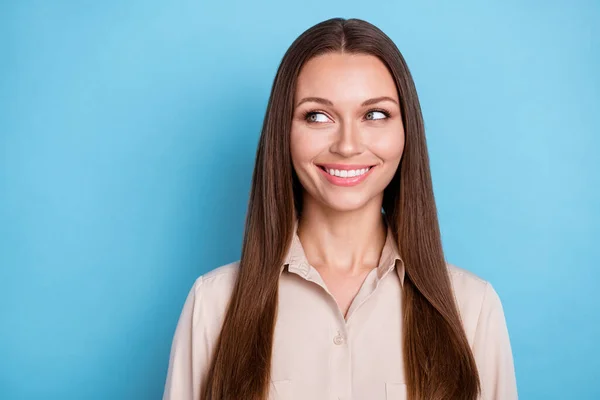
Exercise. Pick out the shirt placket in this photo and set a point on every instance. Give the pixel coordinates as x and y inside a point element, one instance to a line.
<point>341,356</point>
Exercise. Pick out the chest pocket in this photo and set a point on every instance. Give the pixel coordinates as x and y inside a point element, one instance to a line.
<point>395,391</point>
<point>281,390</point>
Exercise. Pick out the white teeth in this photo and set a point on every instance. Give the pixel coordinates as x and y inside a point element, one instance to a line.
<point>344,173</point>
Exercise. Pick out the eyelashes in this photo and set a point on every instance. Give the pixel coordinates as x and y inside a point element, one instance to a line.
<point>309,116</point>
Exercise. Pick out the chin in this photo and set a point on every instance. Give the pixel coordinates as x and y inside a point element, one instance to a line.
<point>347,204</point>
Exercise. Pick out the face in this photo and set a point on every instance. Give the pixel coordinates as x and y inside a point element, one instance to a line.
<point>347,136</point>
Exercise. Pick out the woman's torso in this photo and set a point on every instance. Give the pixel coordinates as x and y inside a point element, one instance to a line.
<point>317,354</point>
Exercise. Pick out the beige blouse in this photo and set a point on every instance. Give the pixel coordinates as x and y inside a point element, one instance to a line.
<point>319,355</point>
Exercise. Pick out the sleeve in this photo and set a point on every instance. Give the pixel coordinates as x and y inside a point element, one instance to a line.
<point>492,350</point>
<point>186,360</point>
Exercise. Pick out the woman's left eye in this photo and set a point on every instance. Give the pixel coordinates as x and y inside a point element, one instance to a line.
<point>375,115</point>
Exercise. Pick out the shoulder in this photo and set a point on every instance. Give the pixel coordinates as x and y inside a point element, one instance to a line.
<point>469,288</point>
<point>220,275</point>
<point>472,294</point>
<point>198,329</point>
<point>485,326</point>
<point>211,292</point>
<point>465,281</point>
<point>217,281</point>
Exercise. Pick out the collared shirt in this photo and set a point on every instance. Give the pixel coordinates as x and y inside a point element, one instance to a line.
<point>318,354</point>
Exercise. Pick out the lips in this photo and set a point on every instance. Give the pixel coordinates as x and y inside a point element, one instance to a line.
<point>352,175</point>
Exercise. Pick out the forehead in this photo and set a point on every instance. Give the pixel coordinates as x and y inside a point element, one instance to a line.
<point>345,78</point>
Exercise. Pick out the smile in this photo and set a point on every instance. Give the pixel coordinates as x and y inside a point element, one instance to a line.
<point>345,175</point>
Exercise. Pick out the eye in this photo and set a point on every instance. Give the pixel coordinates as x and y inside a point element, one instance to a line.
<point>376,114</point>
<point>317,117</point>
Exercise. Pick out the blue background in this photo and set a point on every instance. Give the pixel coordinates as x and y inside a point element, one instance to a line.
<point>127,138</point>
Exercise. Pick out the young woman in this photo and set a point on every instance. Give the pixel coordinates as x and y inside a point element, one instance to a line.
<point>342,290</point>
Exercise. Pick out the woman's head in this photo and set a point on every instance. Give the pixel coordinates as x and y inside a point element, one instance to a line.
<point>316,111</point>
<point>340,64</point>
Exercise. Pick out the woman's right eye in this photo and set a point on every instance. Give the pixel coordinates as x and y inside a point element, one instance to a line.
<point>314,116</point>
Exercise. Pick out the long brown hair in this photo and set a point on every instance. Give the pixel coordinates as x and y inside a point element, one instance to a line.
<point>437,357</point>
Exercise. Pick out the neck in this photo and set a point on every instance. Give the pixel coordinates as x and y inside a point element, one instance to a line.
<point>343,242</point>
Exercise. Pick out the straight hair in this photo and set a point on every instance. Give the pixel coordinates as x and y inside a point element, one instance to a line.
<point>439,364</point>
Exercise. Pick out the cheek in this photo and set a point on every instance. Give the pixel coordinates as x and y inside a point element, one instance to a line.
<point>306,145</point>
<point>389,144</point>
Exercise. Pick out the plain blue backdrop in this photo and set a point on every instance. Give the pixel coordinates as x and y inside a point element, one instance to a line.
<point>128,131</point>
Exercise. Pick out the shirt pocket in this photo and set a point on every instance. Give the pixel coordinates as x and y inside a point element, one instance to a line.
<point>395,391</point>
<point>281,390</point>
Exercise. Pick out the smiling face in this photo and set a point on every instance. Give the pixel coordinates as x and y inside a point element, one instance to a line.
<point>347,136</point>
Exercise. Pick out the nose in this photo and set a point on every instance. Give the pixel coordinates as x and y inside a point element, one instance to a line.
<point>348,140</point>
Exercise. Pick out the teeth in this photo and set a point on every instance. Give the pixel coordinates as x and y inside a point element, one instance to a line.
<point>347,173</point>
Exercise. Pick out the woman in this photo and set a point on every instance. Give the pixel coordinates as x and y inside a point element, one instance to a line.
<point>342,290</point>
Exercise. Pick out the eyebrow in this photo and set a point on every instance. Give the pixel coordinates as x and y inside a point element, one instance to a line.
<point>365,103</point>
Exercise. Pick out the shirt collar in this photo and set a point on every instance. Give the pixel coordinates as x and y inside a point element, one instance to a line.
<point>297,262</point>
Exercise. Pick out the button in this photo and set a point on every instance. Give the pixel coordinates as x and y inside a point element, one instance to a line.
<point>338,339</point>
